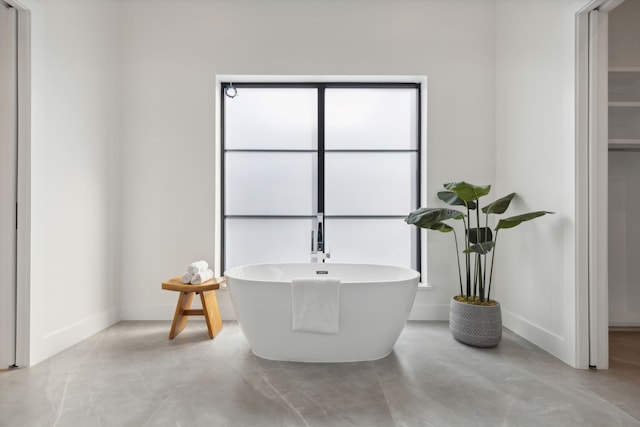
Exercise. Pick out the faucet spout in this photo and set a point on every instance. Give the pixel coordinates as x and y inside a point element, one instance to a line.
<point>320,238</point>
<point>317,248</point>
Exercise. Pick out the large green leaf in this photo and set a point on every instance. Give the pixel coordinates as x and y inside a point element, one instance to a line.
<point>431,218</point>
<point>451,198</point>
<point>500,205</point>
<point>468,192</point>
<point>442,227</point>
<point>485,234</point>
<point>480,248</point>
<point>518,219</point>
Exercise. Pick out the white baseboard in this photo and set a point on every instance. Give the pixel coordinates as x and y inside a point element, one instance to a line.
<point>166,311</point>
<point>547,340</point>
<point>227,312</point>
<point>64,338</point>
<point>429,312</point>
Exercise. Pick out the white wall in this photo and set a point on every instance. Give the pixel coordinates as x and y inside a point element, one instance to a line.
<point>122,181</point>
<point>172,55</point>
<point>74,187</point>
<point>535,157</point>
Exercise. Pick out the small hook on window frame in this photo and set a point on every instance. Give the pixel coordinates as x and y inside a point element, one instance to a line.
<point>231,91</point>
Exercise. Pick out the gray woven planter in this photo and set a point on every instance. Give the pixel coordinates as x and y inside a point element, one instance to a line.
<point>476,325</point>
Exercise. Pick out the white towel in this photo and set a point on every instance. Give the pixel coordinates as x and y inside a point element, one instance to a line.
<point>186,278</point>
<point>198,266</point>
<point>315,304</point>
<point>202,276</point>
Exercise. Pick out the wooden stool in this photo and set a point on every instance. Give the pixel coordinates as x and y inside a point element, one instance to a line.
<point>183,308</point>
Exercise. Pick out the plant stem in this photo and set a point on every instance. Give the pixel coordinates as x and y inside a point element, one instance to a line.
<point>486,228</point>
<point>493,258</point>
<point>478,265</point>
<point>455,239</point>
<point>480,277</point>
<point>468,255</point>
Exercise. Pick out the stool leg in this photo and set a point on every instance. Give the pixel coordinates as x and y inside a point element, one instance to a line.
<point>211,312</point>
<point>179,319</point>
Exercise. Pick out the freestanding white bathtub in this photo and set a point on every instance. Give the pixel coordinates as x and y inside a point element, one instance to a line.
<point>375,301</point>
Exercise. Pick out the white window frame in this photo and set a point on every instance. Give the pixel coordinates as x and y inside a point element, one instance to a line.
<point>422,80</point>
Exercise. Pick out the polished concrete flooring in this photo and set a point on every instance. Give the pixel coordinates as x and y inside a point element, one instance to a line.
<point>132,375</point>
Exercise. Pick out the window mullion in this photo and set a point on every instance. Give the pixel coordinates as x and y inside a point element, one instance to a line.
<point>320,189</point>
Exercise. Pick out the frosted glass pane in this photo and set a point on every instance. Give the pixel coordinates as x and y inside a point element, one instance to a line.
<point>271,119</point>
<point>371,119</point>
<point>374,241</point>
<point>270,183</point>
<point>255,241</point>
<point>370,183</point>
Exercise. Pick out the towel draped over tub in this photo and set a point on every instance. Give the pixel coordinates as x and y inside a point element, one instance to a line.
<point>315,304</point>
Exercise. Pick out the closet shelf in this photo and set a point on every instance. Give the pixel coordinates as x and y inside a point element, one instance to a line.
<point>624,104</point>
<point>624,108</point>
<point>622,144</point>
<point>624,69</point>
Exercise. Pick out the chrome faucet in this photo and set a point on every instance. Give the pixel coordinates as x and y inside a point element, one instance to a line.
<point>318,253</point>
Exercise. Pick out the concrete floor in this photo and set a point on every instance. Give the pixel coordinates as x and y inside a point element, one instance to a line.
<point>132,375</point>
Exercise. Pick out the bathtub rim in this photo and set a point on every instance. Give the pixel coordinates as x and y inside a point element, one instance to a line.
<point>412,272</point>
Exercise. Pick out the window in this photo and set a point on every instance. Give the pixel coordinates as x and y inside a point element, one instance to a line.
<point>350,152</point>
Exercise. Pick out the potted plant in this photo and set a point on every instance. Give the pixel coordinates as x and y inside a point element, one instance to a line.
<point>474,318</point>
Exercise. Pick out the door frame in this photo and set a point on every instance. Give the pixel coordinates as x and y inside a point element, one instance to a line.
<point>9,194</point>
<point>26,10</point>
<point>592,299</point>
